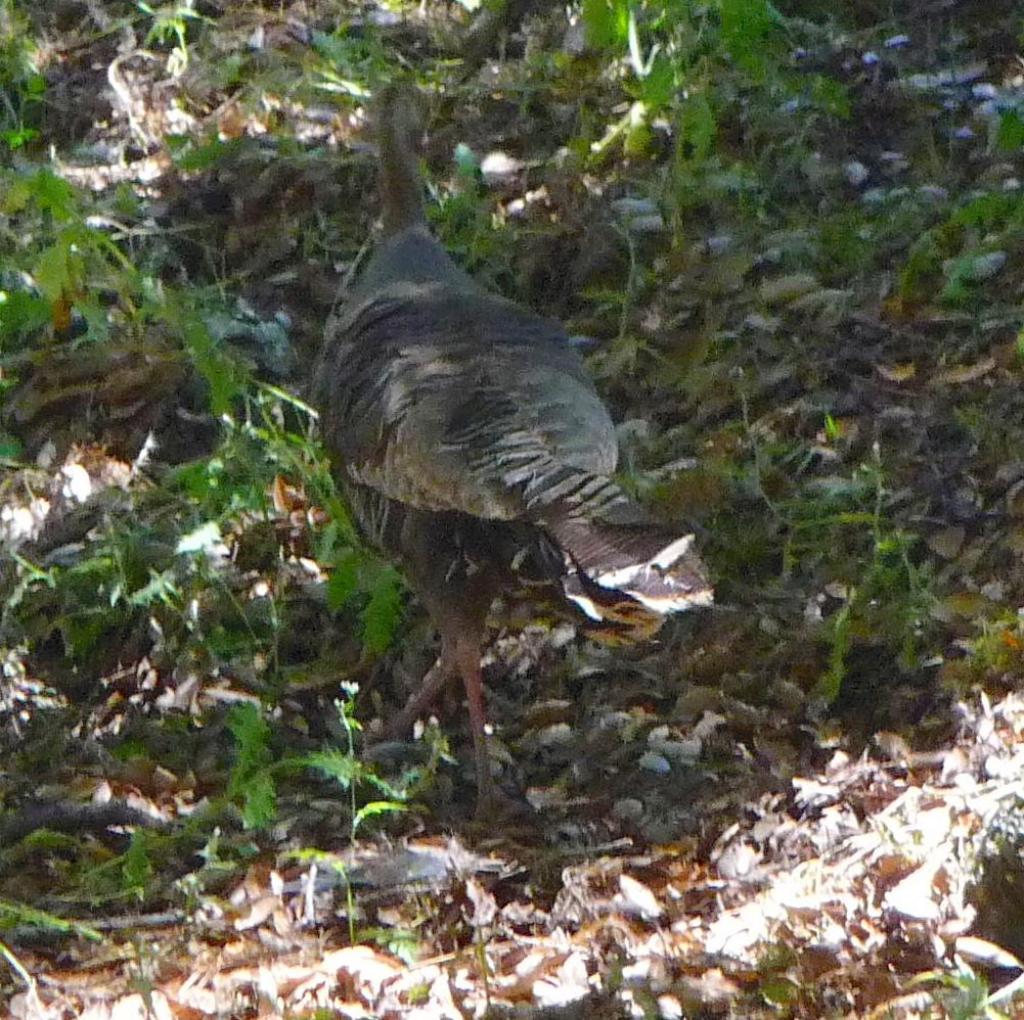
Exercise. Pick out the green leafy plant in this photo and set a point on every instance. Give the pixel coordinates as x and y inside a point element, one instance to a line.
<point>671,51</point>
<point>18,914</point>
<point>349,772</point>
<point>964,994</point>
<point>255,774</point>
<point>252,783</point>
<point>137,866</point>
<point>961,248</point>
<point>65,263</point>
<point>170,25</point>
<point>22,86</point>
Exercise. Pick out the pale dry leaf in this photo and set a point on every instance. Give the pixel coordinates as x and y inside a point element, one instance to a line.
<point>736,932</point>
<point>259,911</point>
<point>782,290</point>
<point>669,1008</point>
<point>485,907</point>
<point>739,861</point>
<point>947,542</point>
<point>961,374</point>
<point>368,966</point>
<point>899,373</point>
<point>636,898</point>
<point>810,793</point>
<point>712,987</point>
<point>980,950</point>
<point>153,1006</point>
<point>916,896</point>
<point>195,994</point>
<point>568,984</point>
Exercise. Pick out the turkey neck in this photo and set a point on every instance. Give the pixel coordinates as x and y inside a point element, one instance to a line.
<point>407,253</point>
<point>400,186</point>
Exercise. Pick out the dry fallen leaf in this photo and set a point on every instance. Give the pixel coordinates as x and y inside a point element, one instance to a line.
<point>982,951</point>
<point>964,373</point>
<point>898,373</point>
<point>947,542</point>
<point>636,898</point>
<point>916,896</point>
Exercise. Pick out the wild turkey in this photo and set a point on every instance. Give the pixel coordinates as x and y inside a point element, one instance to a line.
<point>475,450</point>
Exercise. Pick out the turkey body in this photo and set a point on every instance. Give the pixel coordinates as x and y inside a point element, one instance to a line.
<point>473,447</point>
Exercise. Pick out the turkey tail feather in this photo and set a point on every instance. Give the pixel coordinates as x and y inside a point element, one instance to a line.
<point>623,565</point>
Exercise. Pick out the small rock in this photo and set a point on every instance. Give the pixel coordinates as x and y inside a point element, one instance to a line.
<point>984,90</point>
<point>556,735</point>
<point>498,166</point>
<point>47,454</point>
<point>856,172</point>
<point>895,162</point>
<point>739,861</point>
<point>761,323</point>
<point>653,224</point>
<point>1011,184</point>
<point>784,289</point>
<point>963,133</point>
<point>984,267</point>
<point>896,42</point>
<point>619,721</point>
<point>574,42</point>
<point>994,590</point>
<point>933,192</point>
<point>950,76</point>
<point>628,809</point>
<point>561,635</point>
<point>656,763</point>
<point>829,302</point>
<point>383,18</point>
<point>628,208</point>
<point>812,610</point>
<point>685,752</point>
<point>869,59</point>
<point>874,196</point>
<point>719,244</point>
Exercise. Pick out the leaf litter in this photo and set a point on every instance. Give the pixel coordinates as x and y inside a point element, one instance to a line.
<point>711,864</point>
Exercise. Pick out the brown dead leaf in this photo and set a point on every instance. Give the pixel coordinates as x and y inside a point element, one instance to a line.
<point>898,373</point>
<point>961,374</point>
<point>947,542</point>
<point>485,907</point>
<point>711,987</point>
<point>966,604</point>
<point>259,911</point>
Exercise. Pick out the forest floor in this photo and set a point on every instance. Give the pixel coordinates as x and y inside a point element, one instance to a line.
<point>792,249</point>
